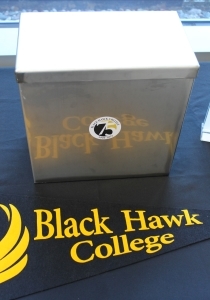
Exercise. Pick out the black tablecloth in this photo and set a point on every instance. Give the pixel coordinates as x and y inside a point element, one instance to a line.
<point>181,274</point>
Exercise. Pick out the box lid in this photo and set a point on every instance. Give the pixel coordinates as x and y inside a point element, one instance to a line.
<point>86,46</point>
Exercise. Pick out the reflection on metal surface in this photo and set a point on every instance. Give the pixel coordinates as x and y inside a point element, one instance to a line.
<point>62,148</point>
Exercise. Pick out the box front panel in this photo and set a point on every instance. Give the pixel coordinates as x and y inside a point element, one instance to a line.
<point>58,116</point>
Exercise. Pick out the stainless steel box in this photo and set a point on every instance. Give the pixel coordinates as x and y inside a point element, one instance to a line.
<point>103,93</point>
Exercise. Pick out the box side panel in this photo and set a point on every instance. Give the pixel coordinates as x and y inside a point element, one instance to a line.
<point>59,115</point>
<point>27,125</point>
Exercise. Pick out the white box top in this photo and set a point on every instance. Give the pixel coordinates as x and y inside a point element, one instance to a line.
<point>74,46</point>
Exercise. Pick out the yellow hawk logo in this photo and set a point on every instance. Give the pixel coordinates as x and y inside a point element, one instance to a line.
<point>13,245</point>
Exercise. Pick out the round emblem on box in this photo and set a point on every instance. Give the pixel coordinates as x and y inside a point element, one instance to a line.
<point>105,128</point>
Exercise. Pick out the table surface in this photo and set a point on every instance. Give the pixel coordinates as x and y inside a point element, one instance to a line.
<point>180,274</point>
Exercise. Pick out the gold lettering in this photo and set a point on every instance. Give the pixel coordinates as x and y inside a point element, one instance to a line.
<point>173,219</point>
<point>65,141</point>
<point>168,137</point>
<point>100,225</point>
<point>117,246</point>
<point>108,251</point>
<point>125,140</point>
<point>83,230</point>
<point>191,220</point>
<point>137,136</point>
<point>151,244</point>
<point>71,230</point>
<point>140,219</point>
<point>42,150</point>
<point>134,244</point>
<point>167,238</point>
<point>154,136</point>
<point>59,234</point>
<point>55,146</point>
<point>41,223</point>
<point>74,255</point>
<point>156,223</point>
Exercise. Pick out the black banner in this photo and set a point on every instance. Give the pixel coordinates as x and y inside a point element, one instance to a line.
<point>47,242</point>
